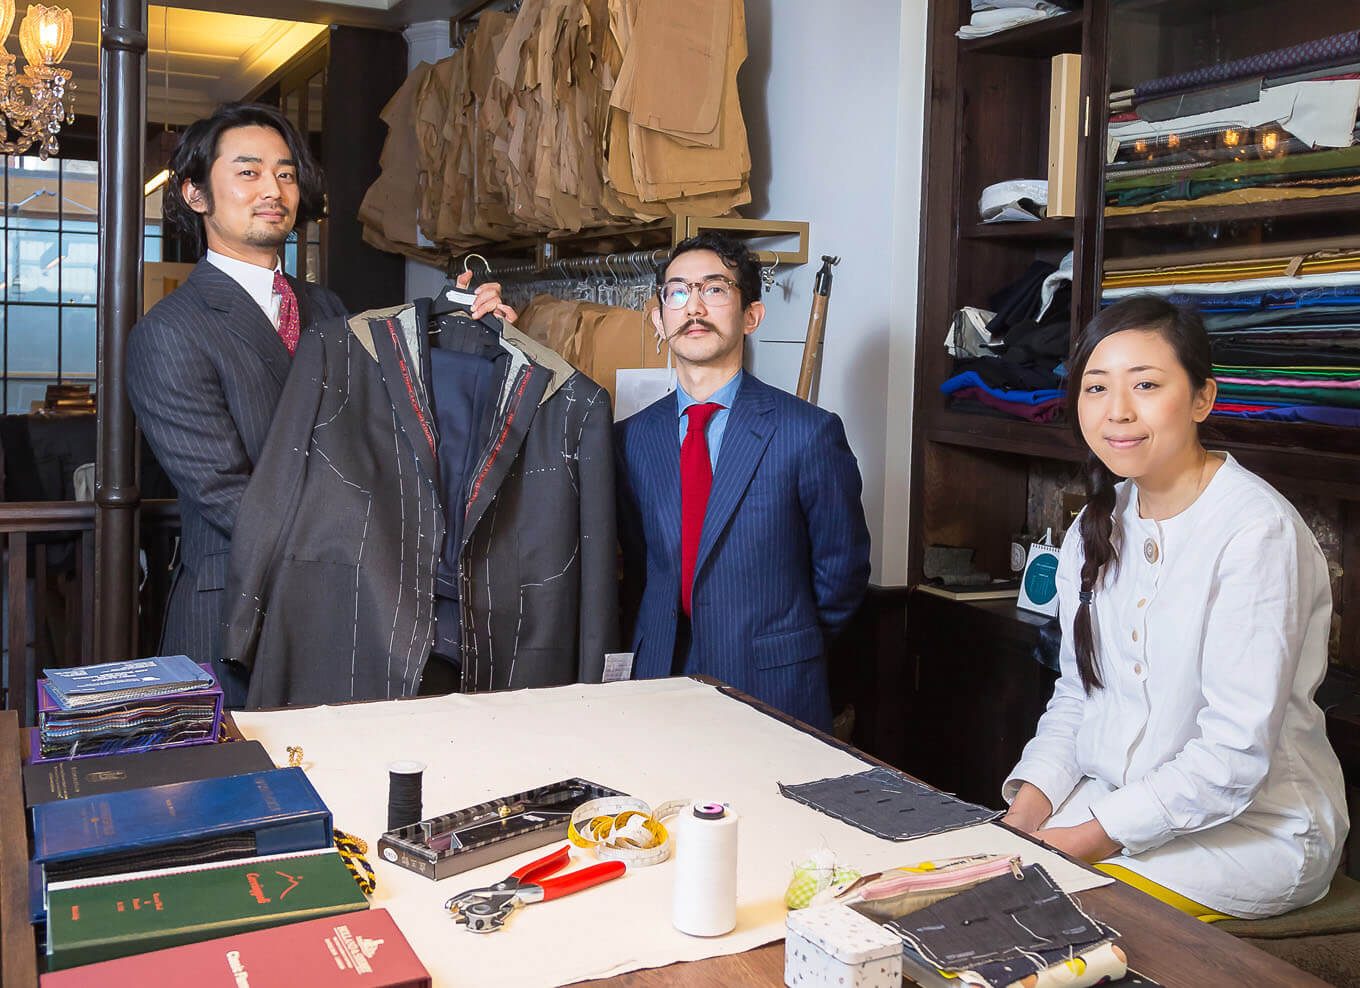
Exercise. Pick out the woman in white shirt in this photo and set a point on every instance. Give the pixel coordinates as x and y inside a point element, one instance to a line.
<point>1182,747</point>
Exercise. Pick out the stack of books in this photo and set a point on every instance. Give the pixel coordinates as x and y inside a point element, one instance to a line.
<point>353,948</point>
<point>126,706</point>
<point>98,919</point>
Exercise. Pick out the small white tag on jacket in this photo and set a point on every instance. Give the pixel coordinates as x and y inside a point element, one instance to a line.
<point>618,666</point>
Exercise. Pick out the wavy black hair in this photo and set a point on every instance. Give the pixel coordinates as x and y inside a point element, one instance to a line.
<point>1184,330</point>
<point>197,150</point>
<point>735,255</point>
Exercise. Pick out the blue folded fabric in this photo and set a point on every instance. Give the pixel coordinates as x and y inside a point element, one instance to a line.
<point>1320,414</point>
<point>970,379</point>
<point>1253,300</point>
<point>1274,298</point>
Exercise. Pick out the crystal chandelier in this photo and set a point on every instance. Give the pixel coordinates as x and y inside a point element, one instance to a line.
<point>33,101</point>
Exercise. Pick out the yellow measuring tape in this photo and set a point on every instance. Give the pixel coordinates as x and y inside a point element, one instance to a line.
<point>621,828</point>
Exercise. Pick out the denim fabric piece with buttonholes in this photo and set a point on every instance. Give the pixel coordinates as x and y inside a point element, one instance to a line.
<point>1026,923</point>
<point>888,805</point>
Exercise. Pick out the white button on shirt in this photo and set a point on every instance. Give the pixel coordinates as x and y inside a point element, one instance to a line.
<point>257,281</point>
<point>1204,754</point>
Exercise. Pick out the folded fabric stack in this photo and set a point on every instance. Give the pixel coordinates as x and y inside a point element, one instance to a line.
<point>994,16</point>
<point>1286,347</point>
<point>1277,125</point>
<point>126,706</point>
<point>1018,376</point>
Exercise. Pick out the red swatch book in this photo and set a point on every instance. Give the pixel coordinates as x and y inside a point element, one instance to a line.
<point>364,949</point>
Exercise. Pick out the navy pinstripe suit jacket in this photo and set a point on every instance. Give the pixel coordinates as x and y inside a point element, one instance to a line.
<point>205,368</point>
<point>784,555</point>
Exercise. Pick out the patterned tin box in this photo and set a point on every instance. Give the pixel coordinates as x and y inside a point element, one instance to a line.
<point>835,946</point>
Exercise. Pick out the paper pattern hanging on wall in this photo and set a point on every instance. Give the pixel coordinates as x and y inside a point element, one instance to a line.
<point>564,116</point>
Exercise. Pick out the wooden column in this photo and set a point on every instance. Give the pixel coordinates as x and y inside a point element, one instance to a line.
<point>122,103</point>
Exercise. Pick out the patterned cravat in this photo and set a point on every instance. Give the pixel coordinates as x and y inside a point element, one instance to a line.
<point>289,323</point>
<point>696,480</point>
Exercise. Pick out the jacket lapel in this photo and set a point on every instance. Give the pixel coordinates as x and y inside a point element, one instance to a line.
<point>243,318</point>
<point>663,435</point>
<point>306,308</point>
<point>401,376</point>
<point>749,428</point>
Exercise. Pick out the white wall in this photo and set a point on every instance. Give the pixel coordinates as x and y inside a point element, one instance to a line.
<point>834,100</point>
<point>427,41</point>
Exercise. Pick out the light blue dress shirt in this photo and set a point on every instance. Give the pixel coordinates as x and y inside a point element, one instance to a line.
<point>717,423</point>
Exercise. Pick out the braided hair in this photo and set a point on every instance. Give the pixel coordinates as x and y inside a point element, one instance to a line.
<point>1184,330</point>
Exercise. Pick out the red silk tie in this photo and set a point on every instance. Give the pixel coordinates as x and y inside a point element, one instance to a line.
<point>696,480</point>
<point>289,324</point>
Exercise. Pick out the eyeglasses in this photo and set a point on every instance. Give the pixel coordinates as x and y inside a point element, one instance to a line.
<point>714,290</point>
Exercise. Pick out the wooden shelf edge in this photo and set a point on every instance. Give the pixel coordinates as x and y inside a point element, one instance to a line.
<point>1289,456</point>
<point>1192,215</point>
<point>1038,39</point>
<point>1056,228</point>
<point>1049,441</point>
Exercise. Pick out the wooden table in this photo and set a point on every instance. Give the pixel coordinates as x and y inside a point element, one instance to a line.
<point>1176,950</point>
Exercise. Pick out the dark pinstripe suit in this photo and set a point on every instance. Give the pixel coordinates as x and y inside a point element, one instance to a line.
<point>205,369</point>
<point>783,559</point>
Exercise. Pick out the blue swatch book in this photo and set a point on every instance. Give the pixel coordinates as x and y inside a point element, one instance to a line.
<point>121,682</point>
<point>203,820</point>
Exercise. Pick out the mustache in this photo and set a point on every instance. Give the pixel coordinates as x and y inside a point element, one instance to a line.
<point>691,324</point>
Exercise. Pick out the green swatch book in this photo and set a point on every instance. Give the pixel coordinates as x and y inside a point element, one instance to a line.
<point>98,919</point>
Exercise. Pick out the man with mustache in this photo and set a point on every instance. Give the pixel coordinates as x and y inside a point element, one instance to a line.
<point>739,504</point>
<point>207,364</point>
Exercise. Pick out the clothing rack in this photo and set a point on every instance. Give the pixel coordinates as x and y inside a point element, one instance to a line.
<point>633,263</point>
<point>547,264</point>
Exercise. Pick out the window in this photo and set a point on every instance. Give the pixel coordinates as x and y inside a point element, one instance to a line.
<point>51,263</point>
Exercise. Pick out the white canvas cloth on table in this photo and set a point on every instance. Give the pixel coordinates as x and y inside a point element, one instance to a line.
<point>654,739</point>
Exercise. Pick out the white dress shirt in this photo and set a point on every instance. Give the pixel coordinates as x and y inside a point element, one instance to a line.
<point>257,281</point>
<point>1204,754</point>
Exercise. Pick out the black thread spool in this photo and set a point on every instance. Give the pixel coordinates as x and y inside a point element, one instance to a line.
<point>403,793</point>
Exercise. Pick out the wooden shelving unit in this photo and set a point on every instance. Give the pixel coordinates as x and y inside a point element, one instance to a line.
<point>986,122</point>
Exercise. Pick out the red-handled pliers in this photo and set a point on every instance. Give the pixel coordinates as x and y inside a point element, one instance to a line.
<point>484,910</point>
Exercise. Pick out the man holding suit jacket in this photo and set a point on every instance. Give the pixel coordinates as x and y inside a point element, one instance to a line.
<point>207,364</point>
<point>739,504</point>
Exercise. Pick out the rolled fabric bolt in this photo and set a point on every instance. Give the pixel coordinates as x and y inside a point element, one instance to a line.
<point>404,780</point>
<point>1104,963</point>
<point>705,902</point>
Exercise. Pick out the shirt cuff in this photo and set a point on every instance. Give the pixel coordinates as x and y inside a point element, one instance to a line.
<point>1055,782</point>
<point>1134,817</point>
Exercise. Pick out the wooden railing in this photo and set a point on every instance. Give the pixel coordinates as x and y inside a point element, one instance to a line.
<point>51,543</point>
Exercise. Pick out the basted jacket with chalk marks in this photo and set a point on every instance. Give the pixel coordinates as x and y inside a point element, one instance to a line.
<point>330,592</point>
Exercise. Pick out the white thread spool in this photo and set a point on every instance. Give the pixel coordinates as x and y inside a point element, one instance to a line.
<point>705,903</point>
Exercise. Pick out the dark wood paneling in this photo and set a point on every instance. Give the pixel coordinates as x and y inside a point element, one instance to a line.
<point>365,68</point>
<point>978,692</point>
<point>868,669</point>
<point>18,961</point>
<point>1350,588</point>
<point>974,498</point>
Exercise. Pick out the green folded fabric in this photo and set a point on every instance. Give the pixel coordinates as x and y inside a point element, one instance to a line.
<point>1338,397</point>
<point>1330,374</point>
<point>1291,164</point>
<point>1197,189</point>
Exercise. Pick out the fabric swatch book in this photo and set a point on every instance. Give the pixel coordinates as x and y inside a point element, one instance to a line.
<point>184,823</point>
<point>49,781</point>
<point>364,949</point>
<point>127,719</point>
<point>119,682</point>
<point>99,919</point>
